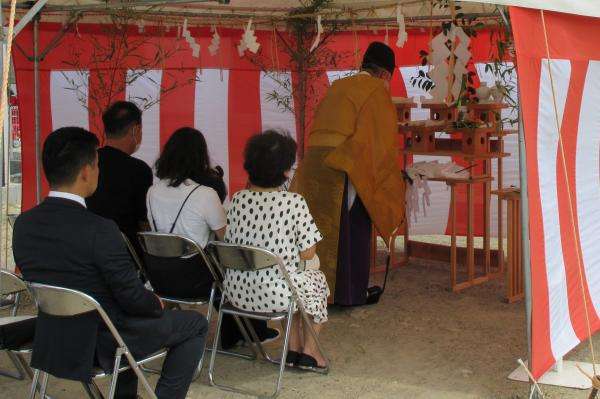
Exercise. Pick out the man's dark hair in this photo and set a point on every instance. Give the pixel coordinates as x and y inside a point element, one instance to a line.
<point>120,117</point>
<point>268,156</point>
<point>185,156</point>
<point>65,152</point>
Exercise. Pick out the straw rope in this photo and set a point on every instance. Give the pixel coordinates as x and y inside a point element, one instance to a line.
<point>569,196</point>
<point>3,104</point>
<point>260,16</point>
<point>535,383</point>
<point>451,77</point>
<point>356,50</point>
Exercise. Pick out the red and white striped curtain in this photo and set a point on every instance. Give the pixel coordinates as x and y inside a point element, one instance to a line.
<point>561,88</point>
<point>227,98</point>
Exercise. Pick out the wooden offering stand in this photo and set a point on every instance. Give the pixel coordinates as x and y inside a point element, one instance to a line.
<point>514,259</point>
<point>480,141</point>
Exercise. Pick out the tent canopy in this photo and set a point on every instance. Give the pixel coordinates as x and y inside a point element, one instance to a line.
<point>360,12</point>
<point>590,8</point>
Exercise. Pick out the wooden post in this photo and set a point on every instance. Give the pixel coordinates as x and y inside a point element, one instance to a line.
<point>487,187</point>
<point>406,223</point>
<point>453,270</point>
<point>470,220</point>
<point>500,188</point>
<point>515,284</point>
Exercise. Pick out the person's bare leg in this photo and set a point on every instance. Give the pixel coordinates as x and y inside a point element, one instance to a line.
<point>310,345</point>
<point>296,342</point>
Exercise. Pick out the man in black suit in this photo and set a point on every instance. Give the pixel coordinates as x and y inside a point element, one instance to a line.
<point>60,242</point>
<point>124,180</point>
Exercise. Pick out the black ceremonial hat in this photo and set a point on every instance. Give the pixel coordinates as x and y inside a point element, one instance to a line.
<point>381,55</point>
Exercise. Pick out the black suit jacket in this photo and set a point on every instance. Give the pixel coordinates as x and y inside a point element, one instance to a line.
<point>61,243</point>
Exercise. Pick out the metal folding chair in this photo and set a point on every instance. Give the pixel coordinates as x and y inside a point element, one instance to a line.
<point>134,256</point>
<point>11,284</point>
<point>65,302</point>
<point>248,258</point>
<point>178,270</point>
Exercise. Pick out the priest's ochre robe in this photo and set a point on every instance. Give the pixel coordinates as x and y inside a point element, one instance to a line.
<point>354,133</point>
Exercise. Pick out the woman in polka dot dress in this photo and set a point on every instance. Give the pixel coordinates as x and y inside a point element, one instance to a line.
<point>266,217</point>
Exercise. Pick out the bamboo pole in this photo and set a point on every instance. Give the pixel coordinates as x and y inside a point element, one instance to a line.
<point>3,105</point>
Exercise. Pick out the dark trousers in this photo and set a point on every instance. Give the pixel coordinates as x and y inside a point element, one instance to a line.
<point>354,253</point>
<point>185,346</point>
<point>230,332</point>
<point>15,335</point>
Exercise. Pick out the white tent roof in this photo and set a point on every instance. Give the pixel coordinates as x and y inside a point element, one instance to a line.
<point>590,8</point>
<point>361,12</point>
<point>410,7</point>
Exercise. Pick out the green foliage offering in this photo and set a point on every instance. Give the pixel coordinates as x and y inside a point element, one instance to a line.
<point>293,95</point>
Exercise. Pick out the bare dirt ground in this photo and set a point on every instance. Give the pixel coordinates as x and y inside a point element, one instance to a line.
<point>420,341</point>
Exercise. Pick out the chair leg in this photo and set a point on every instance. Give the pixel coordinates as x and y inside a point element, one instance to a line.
<point>115,373</point>
<point>209,313</point>
<point>280,363</point>
<point>15,308</point>
<point>213,355</point>
<point>256,341</point>
<point>24,364</point>
<point>20,373</point>
<point>92,390</point>
<point>286,339</point>
<point>140,375</point>
<point>44,385</point>
<point>34,384</point>
<point>247,339</point>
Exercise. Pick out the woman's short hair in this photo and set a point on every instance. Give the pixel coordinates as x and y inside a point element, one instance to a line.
<point>268,156</point>
<point>185,156</point>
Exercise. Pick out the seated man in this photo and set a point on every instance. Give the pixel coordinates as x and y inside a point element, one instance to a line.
<point>60,242</point>
<point>124,180</point>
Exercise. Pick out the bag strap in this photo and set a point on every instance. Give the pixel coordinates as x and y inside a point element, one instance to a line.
<point>181,208</point>
<point>151,214</point>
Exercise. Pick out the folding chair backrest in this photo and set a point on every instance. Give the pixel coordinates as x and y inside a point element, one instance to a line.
<point>64,302</point>
<point>11,283</point>
<point>134,254</point>
<point>242,257</point>
<point>176,266</point>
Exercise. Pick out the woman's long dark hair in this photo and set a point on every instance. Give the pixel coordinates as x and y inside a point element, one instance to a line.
<point>185,156</point>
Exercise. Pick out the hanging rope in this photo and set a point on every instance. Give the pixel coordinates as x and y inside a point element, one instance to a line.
<point>3,105</point>
<point>356,52</point>
<point>536,386</point>
<point>571,210</point>
<point>273,47</point>
<point>430,34</point>
<point>276,46</point>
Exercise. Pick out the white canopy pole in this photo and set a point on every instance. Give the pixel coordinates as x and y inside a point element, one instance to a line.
<point>29,16</point>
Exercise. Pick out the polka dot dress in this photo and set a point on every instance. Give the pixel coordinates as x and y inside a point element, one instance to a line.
<point>280,222</point>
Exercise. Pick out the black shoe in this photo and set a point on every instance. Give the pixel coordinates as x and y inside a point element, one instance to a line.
<point>269,335</point>
<point>291,360</point>
<point>309,363</point>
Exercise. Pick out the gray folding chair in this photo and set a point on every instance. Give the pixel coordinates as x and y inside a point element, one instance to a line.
<point>12,285</point>
<point>181,273</point>
<point>134,256</point>
<point>64,302</point>
<point>248,258</point>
